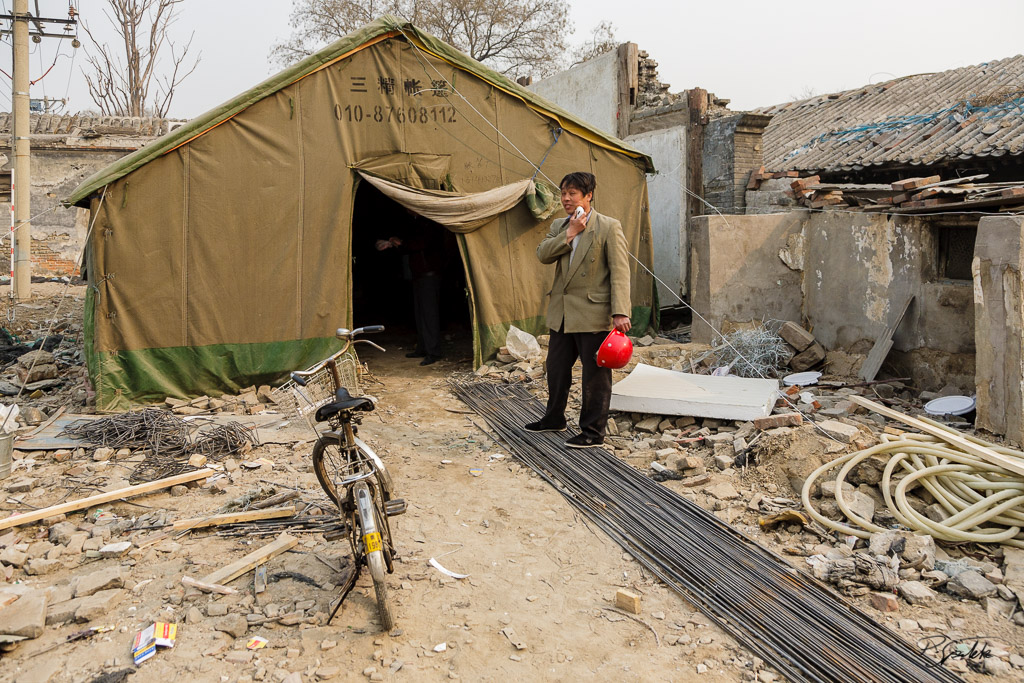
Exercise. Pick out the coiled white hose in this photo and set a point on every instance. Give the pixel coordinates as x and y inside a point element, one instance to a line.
<point>985,503</point>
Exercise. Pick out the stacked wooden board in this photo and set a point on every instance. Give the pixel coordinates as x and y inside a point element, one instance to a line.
<point>910,195</point>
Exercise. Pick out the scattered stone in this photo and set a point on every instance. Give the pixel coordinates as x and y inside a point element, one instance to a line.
<point>839,431</point>
<point>995,666</point>
<point>723,462</point>
<point>884,602</point>
<point>104,579</point>
<point>723,491</point>
<point>327,672</point>
<point>239,656</point>
<point>698,480</point>
<point>916,551</point>
<point>970,584</point>
<point>998,609</point>
<point>916,593</point>
<point>60,533</point>
<point>235,625</point>
<point>40,566</point>
<point>808,358</point>
<point>97,605</point>
<point>115,549</point>
<point>216,609</point>
<point>648,425</point>
<point>928,624</point>
<point>775,421</point>
<point>861,505</point>
<point>796,336</point>
<point>26,616</point>
<point>13,557</point>
<point>103,454</point>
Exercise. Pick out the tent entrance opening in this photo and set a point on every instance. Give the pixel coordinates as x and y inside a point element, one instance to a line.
<point>406,266</point>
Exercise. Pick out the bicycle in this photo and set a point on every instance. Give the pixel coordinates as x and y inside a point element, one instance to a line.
<point>353,476</point>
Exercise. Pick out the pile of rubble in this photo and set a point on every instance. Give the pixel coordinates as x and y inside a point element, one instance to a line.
<point>909,195</point>
<point>250,401</point>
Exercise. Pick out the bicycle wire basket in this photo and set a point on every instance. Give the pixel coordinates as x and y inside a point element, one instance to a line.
<point>297,401</point>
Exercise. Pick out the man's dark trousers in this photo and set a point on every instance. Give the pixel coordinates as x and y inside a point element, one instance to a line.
<point>563,350</point>
<point>426,299</point>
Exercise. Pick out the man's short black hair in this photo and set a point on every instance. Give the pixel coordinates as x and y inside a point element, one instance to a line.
<point>580,180</point>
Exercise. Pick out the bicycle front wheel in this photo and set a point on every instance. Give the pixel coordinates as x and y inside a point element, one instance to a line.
<point>371,526</point>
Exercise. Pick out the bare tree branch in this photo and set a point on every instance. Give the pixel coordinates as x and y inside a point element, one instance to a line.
<point>514,37</point>
<point>123,88</point>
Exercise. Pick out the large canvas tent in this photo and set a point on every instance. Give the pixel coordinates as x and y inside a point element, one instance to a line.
<point>220,253</point>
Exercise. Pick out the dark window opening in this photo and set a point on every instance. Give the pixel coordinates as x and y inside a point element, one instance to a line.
<point>955,252</point>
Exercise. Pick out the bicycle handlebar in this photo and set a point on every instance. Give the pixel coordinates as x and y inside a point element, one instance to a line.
<point>349,336</point>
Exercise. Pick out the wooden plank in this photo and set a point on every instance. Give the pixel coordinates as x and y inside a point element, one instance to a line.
<point>915,183</point>
<point>128,492</point>
<point>948,435</point>
<point>956,181</point>
<point>998,201</point>
<point>207,587</point>
<point>232,518</point>
<point>232,571</point>
<point>873,363</point>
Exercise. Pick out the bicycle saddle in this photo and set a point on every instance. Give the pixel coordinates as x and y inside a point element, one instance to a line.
<point>343,401</point>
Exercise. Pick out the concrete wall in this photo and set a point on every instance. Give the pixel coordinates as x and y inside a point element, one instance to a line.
<point>589,90</point>
<point>58,233</point>
<point>998,295</point>
<point>737,274</point>
<point>845,276</point>
<point>668,201</point>
<point>859,271</point>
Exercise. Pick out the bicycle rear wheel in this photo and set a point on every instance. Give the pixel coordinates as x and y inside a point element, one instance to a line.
<point>374,546</point>
<point>328,464</point>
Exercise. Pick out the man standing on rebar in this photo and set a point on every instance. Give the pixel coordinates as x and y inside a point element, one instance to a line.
<point>589,296</point>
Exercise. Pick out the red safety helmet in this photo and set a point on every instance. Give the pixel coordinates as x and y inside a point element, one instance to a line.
<point>615,351</point>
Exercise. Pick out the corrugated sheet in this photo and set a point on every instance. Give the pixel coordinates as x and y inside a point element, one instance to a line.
<point>971,112</point>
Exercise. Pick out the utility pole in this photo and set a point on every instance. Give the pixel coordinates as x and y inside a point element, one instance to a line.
<point>21,177</point>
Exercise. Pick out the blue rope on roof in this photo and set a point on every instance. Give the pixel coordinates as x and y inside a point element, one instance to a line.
<point>959,112</point>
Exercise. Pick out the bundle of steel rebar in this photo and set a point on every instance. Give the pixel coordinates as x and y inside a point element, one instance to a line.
<point>167,439</point>
<point>759,352</point>
<point>297,524</point>
<point>151,428</point>
<point>784,616</point>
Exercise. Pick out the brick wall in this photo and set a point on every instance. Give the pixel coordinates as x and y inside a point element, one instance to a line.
<point>732,149</point>
<point>58,232</point>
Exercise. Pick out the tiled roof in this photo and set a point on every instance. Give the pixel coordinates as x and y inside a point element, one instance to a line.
<point>85,126</point>
<point>974,111</point>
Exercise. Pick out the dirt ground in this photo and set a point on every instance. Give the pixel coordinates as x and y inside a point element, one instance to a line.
<point>533,565</point>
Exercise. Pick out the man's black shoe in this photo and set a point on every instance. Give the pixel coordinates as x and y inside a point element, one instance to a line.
<point>542,426</point>
<point>583,441</point>
<point>430,360</point>
<point>415,354</point>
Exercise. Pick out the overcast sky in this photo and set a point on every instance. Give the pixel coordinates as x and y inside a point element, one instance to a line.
<point>753,52</point>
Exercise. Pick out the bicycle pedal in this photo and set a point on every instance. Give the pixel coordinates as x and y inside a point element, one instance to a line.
<point>395,506</point>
